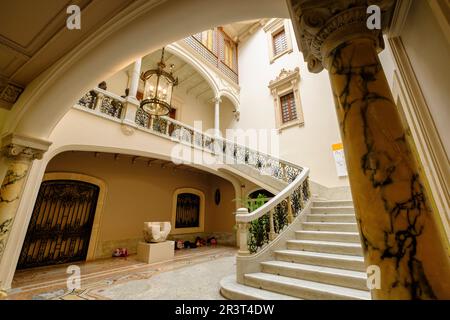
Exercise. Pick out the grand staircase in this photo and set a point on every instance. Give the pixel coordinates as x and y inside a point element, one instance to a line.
<point>323,261</point>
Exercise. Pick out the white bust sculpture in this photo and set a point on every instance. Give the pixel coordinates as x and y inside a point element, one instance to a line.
<point>156,231</point>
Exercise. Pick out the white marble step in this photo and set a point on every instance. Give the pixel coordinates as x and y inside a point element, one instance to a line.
<point>325,246</point>
<point>327,236</point>
<point>332,203</point>
<point>232,290</point>
<point>331,217</point>
<point>340,261</point>
<point>303,288</point>
<point>330,226</point>
<point>333,210</point>
<point>334,276</point>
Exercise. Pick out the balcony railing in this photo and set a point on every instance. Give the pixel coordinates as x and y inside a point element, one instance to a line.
<point>257,228</point>
<point>215,56</point>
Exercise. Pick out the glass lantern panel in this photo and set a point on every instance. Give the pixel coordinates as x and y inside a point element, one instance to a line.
<point>150,87</point>
<point>163,88</point>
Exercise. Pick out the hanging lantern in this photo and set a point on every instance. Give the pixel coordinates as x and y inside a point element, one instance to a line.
<point>158,87</point>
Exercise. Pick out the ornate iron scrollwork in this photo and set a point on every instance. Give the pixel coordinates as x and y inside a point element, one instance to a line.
<point>61,224</point>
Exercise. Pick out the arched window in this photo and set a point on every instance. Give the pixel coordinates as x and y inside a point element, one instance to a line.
<point>188,211</point>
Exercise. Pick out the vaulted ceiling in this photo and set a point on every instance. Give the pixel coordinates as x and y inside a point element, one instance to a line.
<point>189,80</point>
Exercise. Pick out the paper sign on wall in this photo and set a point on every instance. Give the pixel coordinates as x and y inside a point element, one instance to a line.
<point>339,159</point>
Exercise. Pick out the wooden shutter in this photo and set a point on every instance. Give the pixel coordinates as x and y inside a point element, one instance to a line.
<point>279,42</point>
<point>288,109</point>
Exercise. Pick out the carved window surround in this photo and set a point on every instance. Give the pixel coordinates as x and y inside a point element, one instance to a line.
<point>286,82</point>
<point>201,226</point>
<point>273,27</point>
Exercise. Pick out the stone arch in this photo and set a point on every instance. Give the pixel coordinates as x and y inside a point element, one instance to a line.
<point>201,69</point>
<point>48,97</point>
<point>93,241</point>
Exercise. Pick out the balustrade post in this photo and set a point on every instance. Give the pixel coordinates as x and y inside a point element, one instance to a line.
<point>167,127</point>
<point>290,216</point>
<point>243,230</point>
<point>283,171</point>
<point>130,108</point>
<point>151,122</point>
<point>98,101</point>
<point>272,234</point>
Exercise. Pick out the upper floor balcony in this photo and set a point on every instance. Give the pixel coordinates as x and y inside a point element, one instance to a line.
<point>217,49</point>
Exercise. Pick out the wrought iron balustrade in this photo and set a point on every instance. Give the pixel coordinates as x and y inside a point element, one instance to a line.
<point>104,102</point>
<point>257,228</point>
<point>213,57</point>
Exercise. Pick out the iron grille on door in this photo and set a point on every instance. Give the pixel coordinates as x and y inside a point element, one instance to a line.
<point>61,223</point>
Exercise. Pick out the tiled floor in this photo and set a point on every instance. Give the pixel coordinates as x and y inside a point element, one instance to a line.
<point>192,274</point>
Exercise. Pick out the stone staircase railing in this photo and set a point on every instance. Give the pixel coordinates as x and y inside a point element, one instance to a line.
<point>256,229</point>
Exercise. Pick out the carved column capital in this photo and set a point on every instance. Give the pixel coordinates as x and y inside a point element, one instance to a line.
<point>323,25</point>
<point>17,152</point>
<point>22,148</point>
<point>216,100</point>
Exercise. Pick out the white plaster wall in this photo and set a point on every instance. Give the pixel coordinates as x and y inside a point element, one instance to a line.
<point>191,109</point>
<point>309,145</point>
<point>429,53</point>
<point>118,82</point>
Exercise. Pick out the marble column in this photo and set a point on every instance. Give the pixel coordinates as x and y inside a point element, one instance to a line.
<point>134,78</point>
<point>131,102</point>
<point>20,157</point>
<point>217,102</point>
<point>399,231</point>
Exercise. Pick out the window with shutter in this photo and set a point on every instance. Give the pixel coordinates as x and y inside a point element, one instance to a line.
<point>288,110</point>
<point>279,42</point>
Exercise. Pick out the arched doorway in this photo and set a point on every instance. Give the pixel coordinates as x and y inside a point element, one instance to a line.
<point>61,224</point>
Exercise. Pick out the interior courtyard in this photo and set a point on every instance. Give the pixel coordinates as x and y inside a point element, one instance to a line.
<point>225,150</point>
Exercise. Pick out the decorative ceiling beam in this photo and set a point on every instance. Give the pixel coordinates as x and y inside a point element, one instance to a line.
<point>197,84</point>
<point>178,70</point>
<point>133,160</point>
<point>203,92</point>
<point>190,76</point>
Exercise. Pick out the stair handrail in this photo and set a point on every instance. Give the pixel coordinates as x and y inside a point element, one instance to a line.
<point>213,137</point>
<point>272,203</point>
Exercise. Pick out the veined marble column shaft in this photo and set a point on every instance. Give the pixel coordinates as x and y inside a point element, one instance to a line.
<point>399,231</point>
<point>10,191</point>
<point>20,157</point>
<point>398,228</point>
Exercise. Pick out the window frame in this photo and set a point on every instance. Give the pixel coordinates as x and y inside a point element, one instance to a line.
<point>274,40</point>
<point>285,83</point>
<point>201,226</point>
<point>291,110</point>
<point>274,27</point>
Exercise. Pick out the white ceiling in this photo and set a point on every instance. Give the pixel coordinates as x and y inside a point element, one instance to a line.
<point>189,80</point>
<point>33,35</point>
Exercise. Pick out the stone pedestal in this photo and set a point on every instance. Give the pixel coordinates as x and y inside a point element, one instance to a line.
<point>155,252</point>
